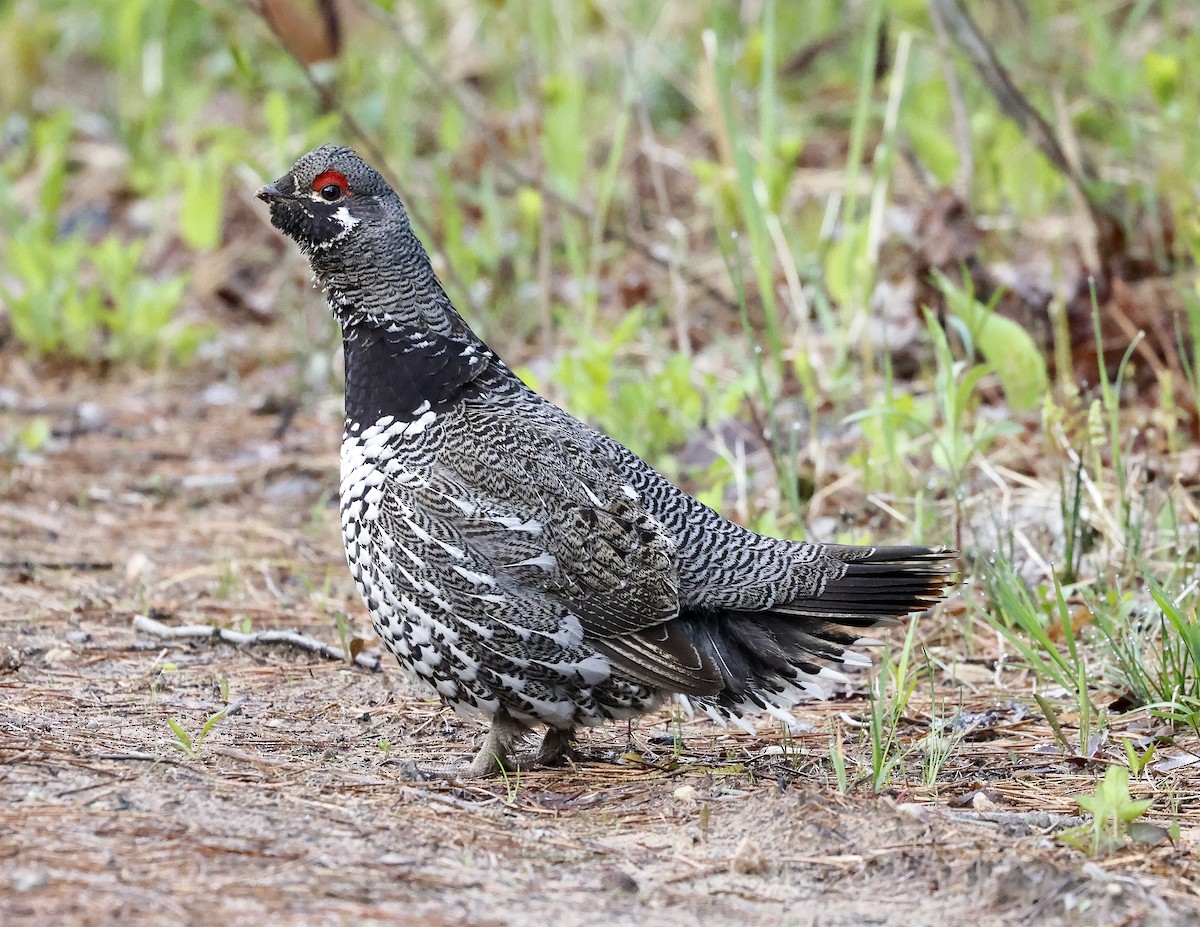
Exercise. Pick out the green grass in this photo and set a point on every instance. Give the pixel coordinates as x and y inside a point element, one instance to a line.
<point>77,295</point>
<point>889,695</point>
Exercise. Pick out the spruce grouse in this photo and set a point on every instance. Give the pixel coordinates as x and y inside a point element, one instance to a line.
<point>529,569</point>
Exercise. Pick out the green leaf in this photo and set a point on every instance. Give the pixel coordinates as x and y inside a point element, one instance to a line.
<point>200,214</point>
<point>208,725</point>
<point>183,740</point>
<point>33,437</point>
<point>1112,799</point>
<point>1007,347</point>
<point>1162,74</point>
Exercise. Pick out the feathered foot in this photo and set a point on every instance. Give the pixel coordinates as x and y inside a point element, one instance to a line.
<point>557,747</point>
<point>493,757</point>
<point>496,755</point>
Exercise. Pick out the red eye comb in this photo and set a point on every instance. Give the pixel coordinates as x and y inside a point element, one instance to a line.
<point>337,178</point>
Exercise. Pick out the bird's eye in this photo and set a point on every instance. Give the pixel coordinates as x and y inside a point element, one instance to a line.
<point>331,186</point>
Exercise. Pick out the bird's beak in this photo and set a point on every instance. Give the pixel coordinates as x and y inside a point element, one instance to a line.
<point>282,189</point>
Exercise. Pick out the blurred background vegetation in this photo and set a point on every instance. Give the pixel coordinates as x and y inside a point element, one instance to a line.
<point>817,260</point>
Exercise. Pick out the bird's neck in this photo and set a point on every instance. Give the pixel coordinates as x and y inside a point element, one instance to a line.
<point>407,348</point>
<point>407,372</point>
<point>401,292</point>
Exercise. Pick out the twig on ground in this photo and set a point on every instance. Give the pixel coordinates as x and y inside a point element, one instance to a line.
<point>148,625</point>
<point>1007,820</point>
<point>134,758</point>
<point>1026,820</point>
<point>29,566</point>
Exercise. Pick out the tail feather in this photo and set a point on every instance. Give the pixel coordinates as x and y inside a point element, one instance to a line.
<point>769,659</point>
<point>888,582</point>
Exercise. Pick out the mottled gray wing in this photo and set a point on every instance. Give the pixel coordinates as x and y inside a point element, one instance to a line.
<point>558,521</point>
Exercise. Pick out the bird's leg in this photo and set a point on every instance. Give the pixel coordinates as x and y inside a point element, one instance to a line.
<point>556,746</point>
<point>493,758</point>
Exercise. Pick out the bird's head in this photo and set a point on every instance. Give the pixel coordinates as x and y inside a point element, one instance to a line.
<point>357,236</point>
<point>331,200</point>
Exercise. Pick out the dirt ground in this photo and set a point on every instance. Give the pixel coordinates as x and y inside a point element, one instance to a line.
<point>175,501</point>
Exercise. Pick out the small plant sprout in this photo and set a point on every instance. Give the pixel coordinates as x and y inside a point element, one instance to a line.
<point>889,694</point>
<point>1137,761</point>
<point>1052,720</point>
<point>159,676</point>
<point>351,645</point>
<point>677,733</point>
<point>183,741</point>
<point>1113,810</point>
<point>837,759</point>
<point>943,737</point>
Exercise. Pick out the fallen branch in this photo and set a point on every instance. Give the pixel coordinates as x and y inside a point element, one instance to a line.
<point>150,626</point>
<point>1008,820</point>
<point>1026,820</point>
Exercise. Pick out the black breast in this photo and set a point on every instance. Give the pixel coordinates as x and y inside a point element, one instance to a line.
<point>396,373</point>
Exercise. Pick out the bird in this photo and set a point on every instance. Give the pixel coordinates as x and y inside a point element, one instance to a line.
<point>528,569</point>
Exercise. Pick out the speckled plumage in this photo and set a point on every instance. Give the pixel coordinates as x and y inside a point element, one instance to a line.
<point>519,563</point>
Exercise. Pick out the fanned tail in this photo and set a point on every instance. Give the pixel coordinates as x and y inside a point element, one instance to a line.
<point>879,583</point>
<point>773,658</point>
